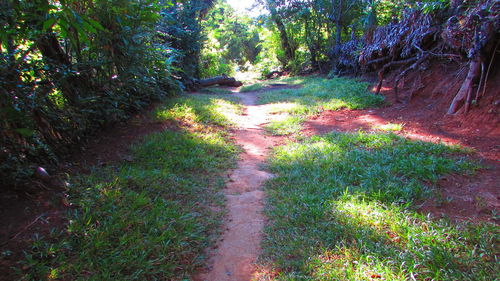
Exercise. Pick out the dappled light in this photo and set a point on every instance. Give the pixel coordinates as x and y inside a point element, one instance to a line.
<point>230,140</point>
<point>349,197</point>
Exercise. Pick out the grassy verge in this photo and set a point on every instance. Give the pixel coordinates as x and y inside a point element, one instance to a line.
<point>152,217</point>
<point>255,86</point>
<point>341,208</point>
<point>198,111</point>
<point>216,90</point>
<point>287,126</point>
<point>317,94</point>
<point>252,87</point>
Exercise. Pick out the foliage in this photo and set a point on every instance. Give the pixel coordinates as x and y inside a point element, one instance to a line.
<point>231,41</point>
<point>149,218</point>
<point>317,94</point>
<point>306,28</point>
<point>180,28</point>
<point>69,68</point>
<point>341,207</point>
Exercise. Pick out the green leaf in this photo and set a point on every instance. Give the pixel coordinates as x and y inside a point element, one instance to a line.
<point>95,24</point>
<point>25,132</point>
<point>49,23</point>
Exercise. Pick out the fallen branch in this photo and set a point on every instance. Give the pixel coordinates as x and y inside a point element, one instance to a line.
<point>23,230</point>
<point>275,74</point>
<point>379,60</point>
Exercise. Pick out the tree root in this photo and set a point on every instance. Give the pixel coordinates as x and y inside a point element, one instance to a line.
<point>402,74</point>
<point>387,66</point>
<point>466,88</point>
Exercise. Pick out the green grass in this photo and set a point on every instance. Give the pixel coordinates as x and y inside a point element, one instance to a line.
<point>390,127</point>
<point>193,109</point>
<point>341,207</point>
<point>216,91</point>
<point>287,126</point>
<point>253,87</point>
<point>256,86</point>
<point>153,217</point>
<point>316,94</point>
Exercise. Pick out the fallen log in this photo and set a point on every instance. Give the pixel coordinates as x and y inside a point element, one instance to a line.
<point>275,74</point>
<point>219,80</point>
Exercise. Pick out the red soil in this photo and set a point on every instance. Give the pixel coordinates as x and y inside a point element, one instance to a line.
<point>424,118</point>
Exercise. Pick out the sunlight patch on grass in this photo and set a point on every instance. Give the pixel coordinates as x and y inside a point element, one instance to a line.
<point>319,94</point>
<point>325,94</point>
<point>389,127</point>
<point>150,218</point>
<point>288,125</point>
<point>285,107</point>
<point>259,85</point>
<point>201,109</point>
<point>341,207</point>
<point>251,88</point>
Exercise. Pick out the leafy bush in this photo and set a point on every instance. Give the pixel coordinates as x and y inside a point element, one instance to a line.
<point>68,69</point>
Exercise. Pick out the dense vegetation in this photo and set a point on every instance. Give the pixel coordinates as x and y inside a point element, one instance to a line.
<point>67,68</point>
<point>350,37</point>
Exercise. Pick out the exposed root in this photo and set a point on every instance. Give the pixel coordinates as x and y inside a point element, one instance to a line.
<point>402,74</point>
<point>466,88</point>
<point>386,67</point>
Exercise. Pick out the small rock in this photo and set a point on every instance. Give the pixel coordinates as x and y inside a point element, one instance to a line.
<point>128,158</point>
<point>42,174</point>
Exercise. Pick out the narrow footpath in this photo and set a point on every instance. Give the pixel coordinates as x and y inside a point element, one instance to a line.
<point>236,253</point>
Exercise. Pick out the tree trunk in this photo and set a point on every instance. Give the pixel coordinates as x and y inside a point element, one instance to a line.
<point>338,21</point>
<point>464,91</point>
<point>285,42</point>
<point>54,55</point>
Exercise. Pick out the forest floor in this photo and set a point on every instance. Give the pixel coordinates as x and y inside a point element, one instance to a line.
<point>282,127</point>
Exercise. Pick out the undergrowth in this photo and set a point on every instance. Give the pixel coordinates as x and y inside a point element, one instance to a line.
<point>199,110</point>
<point>341,207</point>
<point>150,218</point>
<point>253,87</point>
<point>316,94</point>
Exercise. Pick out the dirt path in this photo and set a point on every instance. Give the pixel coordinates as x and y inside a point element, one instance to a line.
<point>236,253</point>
